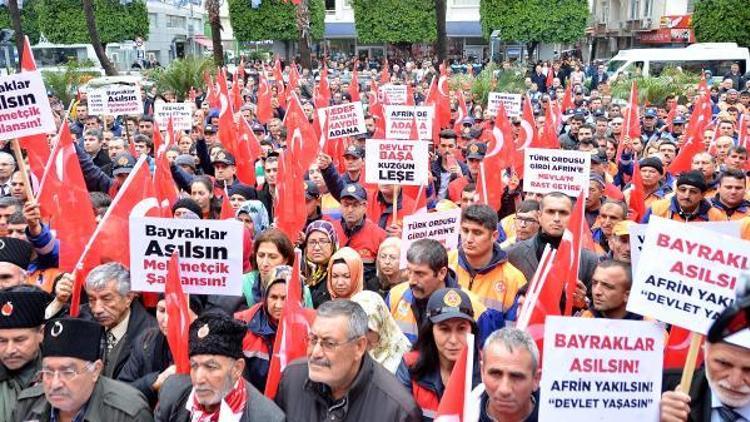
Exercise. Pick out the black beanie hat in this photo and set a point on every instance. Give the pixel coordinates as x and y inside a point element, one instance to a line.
<point>15,251</point>
<point>692,178</point>
<point>245,191</point>
<point>189,204</point>
<point>652,162</point>
<point>215,333</point>
<point>74,338</point>
<point>23,309</point>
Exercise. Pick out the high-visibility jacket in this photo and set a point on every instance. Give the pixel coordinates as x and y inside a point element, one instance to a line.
<point>257,344</point>
<point>726,214</point>
<point>669,208</point>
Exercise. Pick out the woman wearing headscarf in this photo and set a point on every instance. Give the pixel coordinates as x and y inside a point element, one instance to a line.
<point>387,271</point>
<point>321,242</point>
<point>254,215</point>
<point>385,341</point>
<point>345,274</point>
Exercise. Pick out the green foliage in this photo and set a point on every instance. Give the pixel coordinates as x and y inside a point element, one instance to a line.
<point>653,90</point>
<point>395,21</point>
<point>65,84</point>
<point>722,21</point>
<point>530,21</point>
<point>181,75</point>
<point>29,20</point>
<point>273,20</point>
<point>491,79</point>
<point>63,21</point>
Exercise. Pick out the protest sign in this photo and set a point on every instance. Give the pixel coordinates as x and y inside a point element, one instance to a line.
<point>690,275</point>
<point>210,260</point>
<point>181,114</point>
<point>24,107</point>
<point>344,120</point>
<point>638,235</point>
<point>399,119</point>
<point>115,100</point>
<point>393,162</point>
<point>442,226</point>
<point>600,369</point>
<point>511,102</point>
<point>550,170</point>
<point>392,94</point>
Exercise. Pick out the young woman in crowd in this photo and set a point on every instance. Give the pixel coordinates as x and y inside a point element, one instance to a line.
<point>201,190</point>
<point>385,341</point>
<point>321,242</point>
<point>345,274</point>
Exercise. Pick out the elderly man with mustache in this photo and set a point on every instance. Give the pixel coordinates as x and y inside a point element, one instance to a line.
<point>72,387</point>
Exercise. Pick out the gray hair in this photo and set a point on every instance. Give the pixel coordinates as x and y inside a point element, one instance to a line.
<point>351,310</point>
<point>10,201</point>
<point>512,338</point>
<point>100,276</point>
<point>428,252</point>
<point>94,132</point>
<point>4,156</point>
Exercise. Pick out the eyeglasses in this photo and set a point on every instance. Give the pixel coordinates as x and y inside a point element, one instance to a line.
<point>64,374</point>
<point>328,346</point>
<point>525,221</point>
<point>318,243</point>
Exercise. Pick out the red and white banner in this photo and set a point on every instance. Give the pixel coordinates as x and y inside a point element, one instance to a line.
<point>344,120</point>
<point>115,100</point>
<point>393,162</point>
<point>400,119</point>
<point>24,107</point>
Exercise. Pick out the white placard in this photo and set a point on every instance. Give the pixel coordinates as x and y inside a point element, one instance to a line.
<point>210,254</point>
<point>512,103</point>
<point>115,100</point>
<point>688,275</point>
<point>556,170</point>
<point>598,369</point>
<point>392,94</point>
<point>443,226</point>
<point>396,162</point>
<point>344,120</point>
<point>638,235</point>
<point>181,114</point>
<point>399,119</point>
<point>24,107</point>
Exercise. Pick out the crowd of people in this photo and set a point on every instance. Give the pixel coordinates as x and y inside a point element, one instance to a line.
<point>383,337</point>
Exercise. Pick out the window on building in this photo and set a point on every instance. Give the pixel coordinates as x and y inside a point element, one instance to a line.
<point>153,20</point>
<point>330,6</point>
<point>465,3</point>
<point>635,9</point>
<point>348,4</point>
<point>176,21</point>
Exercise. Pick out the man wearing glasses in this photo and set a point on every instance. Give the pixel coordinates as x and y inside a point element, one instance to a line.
<point>339,380</point>
<point>72,387</point>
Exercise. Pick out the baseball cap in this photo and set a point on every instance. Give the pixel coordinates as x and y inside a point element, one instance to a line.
<point>185,160</point>
<point>209,129</point>
<point>123,163</point>
<point>598,158</point>
<point>355,150</point>
<point>448,303</point>
<point>224,157</point>
<point>650,112</point>
<point>354,190</point>
<point>679,120</point>
<point>257,127</point>
<point>311,190</point>
<point>622,228</point>
<point>476,150</point>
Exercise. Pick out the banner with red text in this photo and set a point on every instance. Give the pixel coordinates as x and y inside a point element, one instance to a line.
<point>556,170</point>
<point>598,369</point>
<point>24,107</point>
<point>115,100</point>
<point>181,114</point>
<point>396,162</point>
<point>399,120</point>
<point>210,254</point>
<point>392,94</point>
<point>511,102</point>
<point>687,275</point>
<point>343,120</point>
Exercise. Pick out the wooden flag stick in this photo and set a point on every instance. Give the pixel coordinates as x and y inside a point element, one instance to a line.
<point>395,204</point>
<point>22,169</point>
<point>689,369</point>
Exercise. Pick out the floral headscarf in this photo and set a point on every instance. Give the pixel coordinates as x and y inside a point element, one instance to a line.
<point>257,212</point>
<point>392,343</point>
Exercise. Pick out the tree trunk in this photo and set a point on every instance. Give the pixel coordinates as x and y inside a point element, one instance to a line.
<point>214,19</point>
<point>96,42</point>
<point>15,20</point>
<point>530,48</point>
<point>441,46</point>
<point>303,29</point>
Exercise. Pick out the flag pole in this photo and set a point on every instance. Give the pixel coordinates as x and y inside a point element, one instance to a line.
<point>692,356</point>
<point>22,168</point>
<point>395,204</point>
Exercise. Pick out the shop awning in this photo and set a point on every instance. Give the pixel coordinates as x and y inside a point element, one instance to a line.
<point>340,30</point>
<point>463,29</point>
<point>203,41</point>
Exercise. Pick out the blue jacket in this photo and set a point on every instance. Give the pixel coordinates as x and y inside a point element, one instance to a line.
<point>47,249</point>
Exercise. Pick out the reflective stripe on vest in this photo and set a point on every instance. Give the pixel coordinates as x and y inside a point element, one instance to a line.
<point>255,354</point>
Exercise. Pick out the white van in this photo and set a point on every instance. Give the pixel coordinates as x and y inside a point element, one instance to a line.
<point>716,57</point>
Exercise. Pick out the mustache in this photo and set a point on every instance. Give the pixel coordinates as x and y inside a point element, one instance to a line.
<point>320,362</point>
<point>744,389</point>
<point>59,391</point>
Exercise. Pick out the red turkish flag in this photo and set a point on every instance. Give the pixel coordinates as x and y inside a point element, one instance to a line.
<point>567,99</point>
<point>248,151</point>
<point>264,111</point>
<point>354,84</point>
<point>376,108</point>
<point>456,404</point>
<point>227,213</point>
<point>548,138</point>
<point>178,316</point>
<point>676,349</point>
<point>632,126</point>
<point>111,239</point>
<point>699,120</point>
<point>291,335</point>
<point>385,76</point>
<point>36,146</point>
<point>568,258</point>
<point>637,202</point>
<point>164,186</point>
<point>63,189</point>
<point>323,97</point>
<point>227,130</point>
